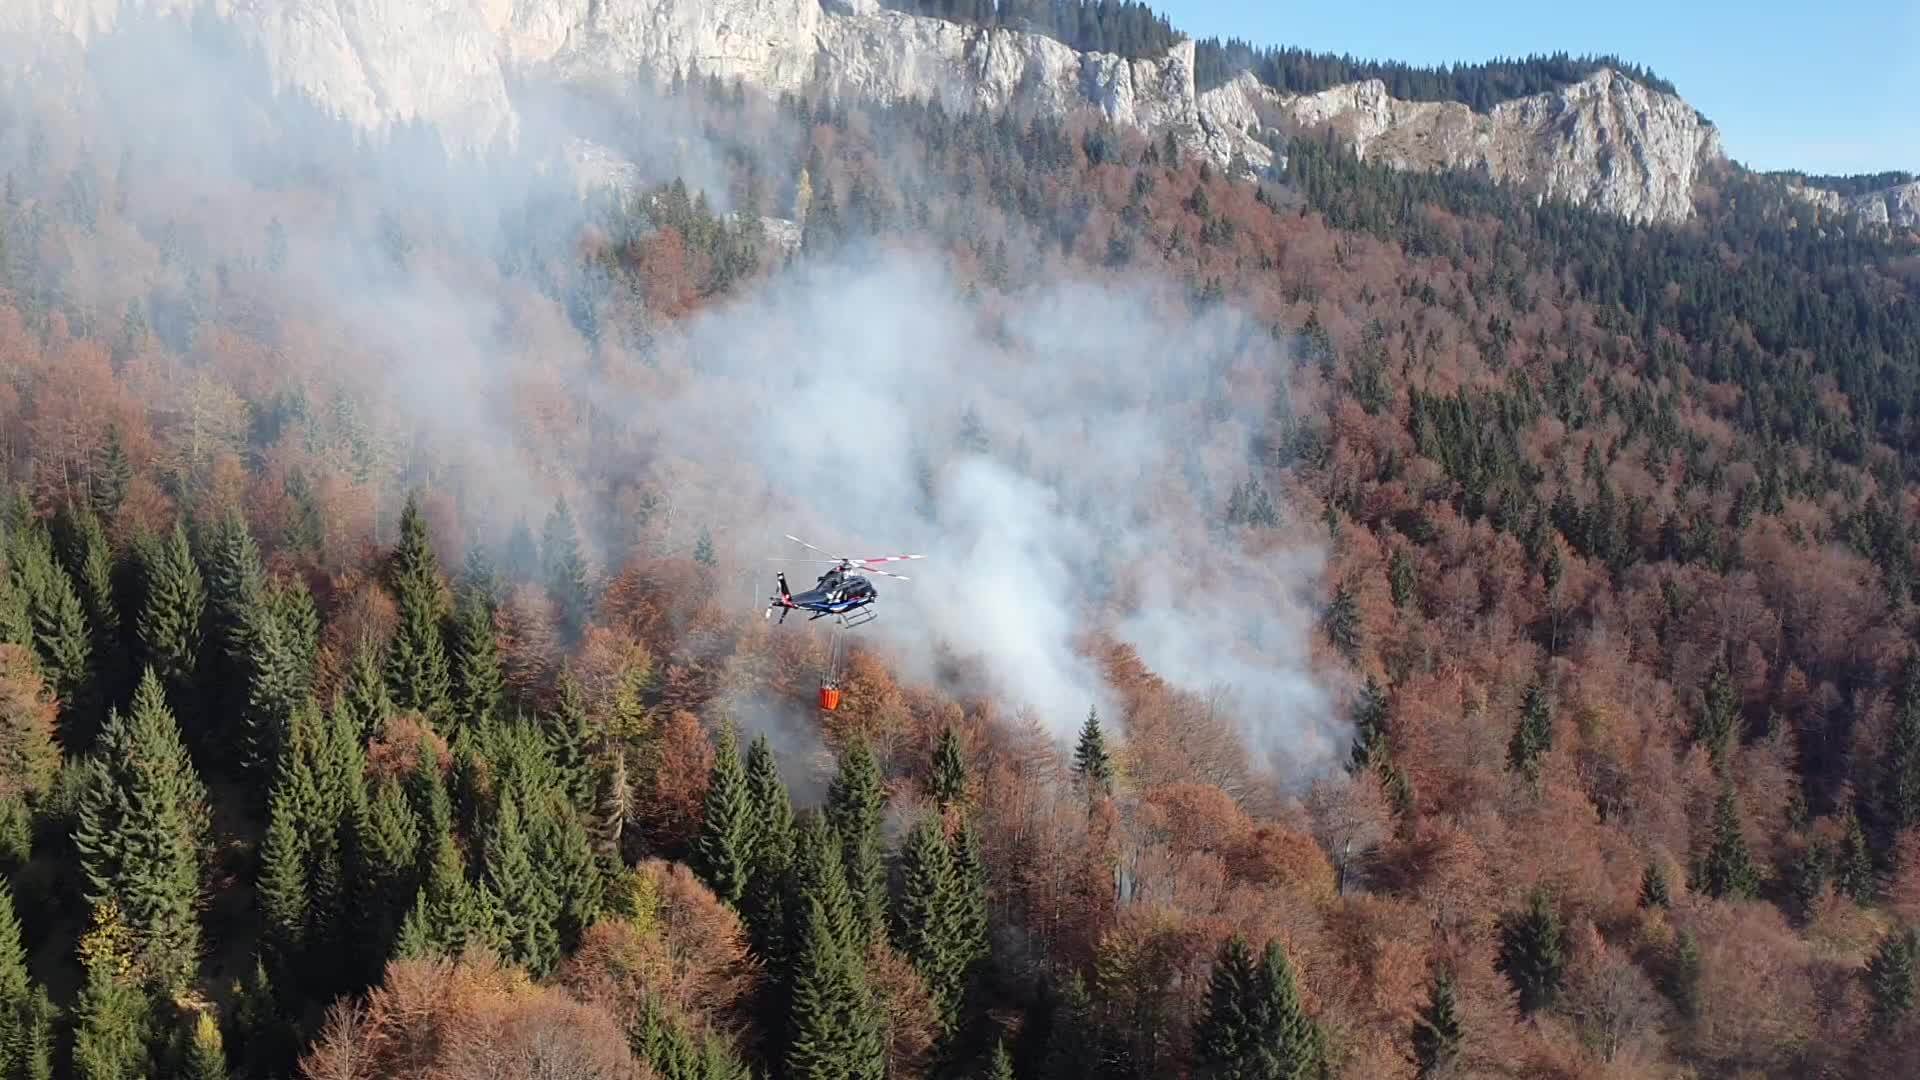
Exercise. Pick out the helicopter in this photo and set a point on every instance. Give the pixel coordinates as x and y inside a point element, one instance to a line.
<point>839,592</point>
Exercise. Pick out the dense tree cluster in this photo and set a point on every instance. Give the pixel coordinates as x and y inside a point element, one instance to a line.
<point>304,769</point>
<point>1126,28</point>
<point>1479,86</point>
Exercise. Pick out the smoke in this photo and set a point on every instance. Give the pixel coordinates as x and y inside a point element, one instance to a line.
<point>1062,456</point>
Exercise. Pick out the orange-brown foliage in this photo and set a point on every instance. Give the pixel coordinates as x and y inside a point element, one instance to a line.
<point>28,713</point>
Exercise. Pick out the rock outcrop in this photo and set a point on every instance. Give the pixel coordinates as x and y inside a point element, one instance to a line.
<point>1607,141</point>
<point>1896,207</point>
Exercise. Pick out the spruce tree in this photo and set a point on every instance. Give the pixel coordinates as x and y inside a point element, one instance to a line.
<point>169,623</point>
<point>275,691</point>
<point>1401,578</point>
<point>1369,726</point>
<point>282,888</point>
<point>1890,977</point>
<point>948,781</point>
<point>111,478</point>
<point>479,684</point>
<point>90,562</point>
<point>292,603</point>
<point>1091,763</point>
<point>520,892</point>
<point>418,674</point>
<point>1853,865</point>
<point>364,695</point>
<point>1899,779</point>
<point>23,1037</point>
<point>1654,892</point>
<point>385,851</point>
<point>1533,953</point>
<point>820,873</point>
<point>970,868</point>
<point>773,853</point>
<point>1287,1045</point>
<point>1533,735</point>
<point>928,925</point>
<point>1341,622</point>
<point>565,570</point>
<point>1436,1032</point>
<point>723,854</point>
<point>1223,1036</point>
<point>856,800</point>
<point>1728,871</point>
<point>570,735</point>
<point>58,628</point>
<point>141,833</point>
<point>113,1022</point>
<point>236,585</point>
<point>573,876</point>
<point>835,1032</point>
<point>1714,727</point>
<point>206,1055</point>
<point>1683,975</point>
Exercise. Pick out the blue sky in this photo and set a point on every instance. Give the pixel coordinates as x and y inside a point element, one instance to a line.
<point>1828,87</point>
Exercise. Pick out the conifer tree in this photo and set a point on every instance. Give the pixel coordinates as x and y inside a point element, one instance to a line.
<point>479,684</point>
<point>58,629</point>
<point>385,851</point>
<point>90,561</point>
<point>364,696</point>
<point>1890,976</point>
<point>113,1022</point>
<point>1683,975</point>
<point>856,800</point>
<point>1401,578</point>
<point>1728,871</point>
<point>570,734</point>
<point>1369,726</point>
<point>282,888</point>
<point>292,603</point>
<point>1091,764</point>
<point>1533,953</point>
<point>1341,622</point>
<point>1436,1032</point>
<point>970,868</point>
<point>1654,892</point>
<point>1223,1036</point>
<point>418,674</point>
<point>1533,735</point>
<point>773,853</point>
<point>723,855</point>
<point>565,570</point>
<point>1853,864</point>
<point>275,691</point>
<point>835,1033</point>
<point>948,782</point>
<point>820,872</point>
<point>111,478</point>
<point>703,549</point>
<point>1288,1044</point>
<point>929,925</point>
<point>236,586</point>
<point>169,624</point>
<point>141,834</point>
<point>574,877</point>
<point>1713,728</point>
<point>206,1057</point>
<point>519,892</point>
<point>25,1027</point>
<point>1899,779</point>
<point>999,1064</point>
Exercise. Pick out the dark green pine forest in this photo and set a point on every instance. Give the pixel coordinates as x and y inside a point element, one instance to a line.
<point>311,765</point>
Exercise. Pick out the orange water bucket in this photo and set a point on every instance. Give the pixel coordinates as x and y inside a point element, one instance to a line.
<point>829,698</point>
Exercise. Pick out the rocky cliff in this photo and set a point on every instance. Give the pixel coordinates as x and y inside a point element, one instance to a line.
<point>1607,141</point>
<point>1895,207</point>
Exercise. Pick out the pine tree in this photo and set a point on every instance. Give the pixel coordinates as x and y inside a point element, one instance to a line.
<point>1369,727</point>
<point>1401,580</point>
<point>170,620</point>
<point>479,684</point>
<point>1533,953</point>
<point>570,735</point>
<point>364,696</point>
<point>948,783</point>
<point>1223,1036</point>
<point>1654,892</point>
<point>141,834</point>
<point>111,478</point>
<point>1091,764</point>
<point>1890,977</point>
<point>856,800</point>
<point>1436,1033</point>
<point>113,1021</point>
<point>1533,735</point>
<point>723,855</point>
<point>773,853</point>
<point>1728,871</point>
<point>565,570</point>
<point>1713,728</point>
<point>928,925</point>
<point>835,1031</point>
<point>418,676</point>
<point>206,1056</point>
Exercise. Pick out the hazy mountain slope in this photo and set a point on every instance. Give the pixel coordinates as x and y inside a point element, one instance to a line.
<point>1606,141</point>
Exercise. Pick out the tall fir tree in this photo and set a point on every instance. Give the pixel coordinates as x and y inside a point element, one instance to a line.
<point>570,734</point>
<point>947,779</point>
<point>1853,863</point>
<point>90,561</point>
<point>58,629</point>
<point>1091,762</point>
<point>1890,977</point>
<point>1654,891</point>
<point>520,891</point>
<point>386,842</point>
<point>364,694</point>
<point>1436,1031</point>
<point>141,833</point>
<point>112,1019</point>
<point>1533,735</point>
<point>236,609</point>
<point>723,854</point>
<point>1369,727</point>
<point>170,620</point>
<point>835,1032</point>
<point>479,682</point>
<point>25,1024</point>
<point>773,852</point>
<point>929,923</point>
<point>418,675</point>
<point>1532,952</point>
<point>1899,779</point>
<point>565,570</point>
<point>111,478</point>
<point>1728,871</point>
<point>206,1057</point>
<point>856,801</point>
<point>1255,1026</point>
<point>1223,1035</point>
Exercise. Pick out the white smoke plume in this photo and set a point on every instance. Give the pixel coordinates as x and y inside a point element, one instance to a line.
<point>1063,457</point>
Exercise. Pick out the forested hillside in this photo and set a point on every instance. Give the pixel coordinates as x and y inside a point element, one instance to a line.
<point>382,695</point>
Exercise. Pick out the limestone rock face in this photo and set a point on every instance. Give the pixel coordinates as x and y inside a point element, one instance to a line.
<point>1606,141</point>
<point>1895,207</point>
